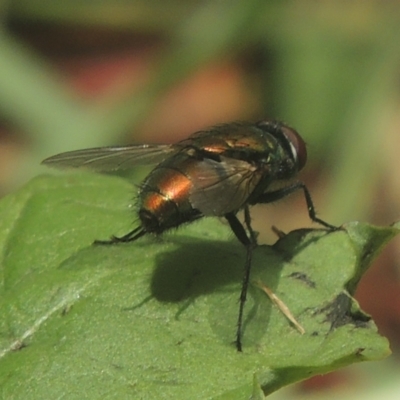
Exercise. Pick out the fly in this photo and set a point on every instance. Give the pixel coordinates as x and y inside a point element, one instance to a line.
<point>216,172</point>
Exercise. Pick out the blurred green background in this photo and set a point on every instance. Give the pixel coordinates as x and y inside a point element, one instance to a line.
<point>77,74</point>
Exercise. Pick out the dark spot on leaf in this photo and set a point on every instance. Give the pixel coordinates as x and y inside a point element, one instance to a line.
<point>367,253</point>
<point>359,351</point>
<point>301,276</point>
<point>339,313</point>
<point>66,310</point>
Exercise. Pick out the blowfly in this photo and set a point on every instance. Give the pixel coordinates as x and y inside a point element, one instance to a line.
<point>216,172</point>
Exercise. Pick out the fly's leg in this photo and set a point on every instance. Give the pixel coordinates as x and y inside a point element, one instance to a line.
<point>247,221</point>
<point>129,237</point>
<point>269,197</point>
<point>250,244</point>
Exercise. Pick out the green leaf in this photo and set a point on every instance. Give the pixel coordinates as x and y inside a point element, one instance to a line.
<point>156,318</point>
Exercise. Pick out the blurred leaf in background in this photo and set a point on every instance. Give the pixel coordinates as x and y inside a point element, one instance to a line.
<point>77,74</point>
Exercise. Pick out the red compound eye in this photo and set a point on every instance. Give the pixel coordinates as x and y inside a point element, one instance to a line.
<point>297,144</point>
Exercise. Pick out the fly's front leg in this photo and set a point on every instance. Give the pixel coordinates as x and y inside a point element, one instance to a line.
<point>249,243</point>
<point>269,197</point>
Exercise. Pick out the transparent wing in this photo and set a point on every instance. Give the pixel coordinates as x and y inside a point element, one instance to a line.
<point>222,187</point>
<point>110,158</point>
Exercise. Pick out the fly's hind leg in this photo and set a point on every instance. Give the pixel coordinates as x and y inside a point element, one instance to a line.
<point>129,237</point>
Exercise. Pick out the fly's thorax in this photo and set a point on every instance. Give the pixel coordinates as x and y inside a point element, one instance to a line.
<point>241,141</point>
<point>268,145</point>
<point>164,195</point>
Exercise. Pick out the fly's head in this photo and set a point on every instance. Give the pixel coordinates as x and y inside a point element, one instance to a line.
<point>290,154</point>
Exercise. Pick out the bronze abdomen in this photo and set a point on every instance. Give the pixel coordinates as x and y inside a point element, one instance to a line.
<point>164,195</point>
